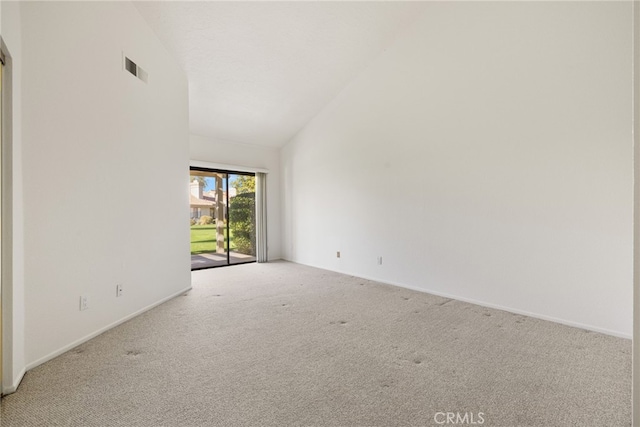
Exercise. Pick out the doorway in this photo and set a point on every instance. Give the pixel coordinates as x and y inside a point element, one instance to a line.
<point>222,207</point>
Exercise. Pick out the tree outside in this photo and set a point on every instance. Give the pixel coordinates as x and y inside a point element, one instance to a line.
<point>242,214</point>
<point>242,233</point>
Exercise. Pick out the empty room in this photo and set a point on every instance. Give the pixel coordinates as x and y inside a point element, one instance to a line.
<point>319,213</point>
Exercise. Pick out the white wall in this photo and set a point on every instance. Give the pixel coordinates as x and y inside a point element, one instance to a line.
<point>486,155</point>
<point>250,156</point>
<point>99,147</point>
<point>12,221</point>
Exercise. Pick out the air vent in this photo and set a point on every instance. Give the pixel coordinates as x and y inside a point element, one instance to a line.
<point>134,69</point>
<point>130,66</point>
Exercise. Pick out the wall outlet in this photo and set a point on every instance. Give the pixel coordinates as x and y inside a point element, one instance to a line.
<point>84,302</point>
<point>379,260</point>
<point>118,290</point>
<point>338,254</point>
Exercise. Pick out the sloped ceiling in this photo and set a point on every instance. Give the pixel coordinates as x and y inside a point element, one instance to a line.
<point>259,71</point>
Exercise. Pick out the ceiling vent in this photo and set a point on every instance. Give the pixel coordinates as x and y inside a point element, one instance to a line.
<point>134,69</point>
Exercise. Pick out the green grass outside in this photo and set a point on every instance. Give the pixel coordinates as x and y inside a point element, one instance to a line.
<point>203,239</point>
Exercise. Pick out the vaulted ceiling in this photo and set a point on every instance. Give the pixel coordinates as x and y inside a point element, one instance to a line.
<point>259,71</point>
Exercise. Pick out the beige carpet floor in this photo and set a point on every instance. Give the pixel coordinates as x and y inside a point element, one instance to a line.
<point>281,344</point>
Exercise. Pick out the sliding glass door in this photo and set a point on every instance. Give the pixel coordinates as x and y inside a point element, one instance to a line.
<point>223,218</point>
<point>242,218</point>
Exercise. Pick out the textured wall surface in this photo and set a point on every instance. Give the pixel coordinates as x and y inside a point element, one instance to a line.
<point>486,155</point>
<point>100,147</point>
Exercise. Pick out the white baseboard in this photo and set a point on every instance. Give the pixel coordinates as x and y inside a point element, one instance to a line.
<point>102,330</point>
<point>486,304</point>
<point>514,310</point>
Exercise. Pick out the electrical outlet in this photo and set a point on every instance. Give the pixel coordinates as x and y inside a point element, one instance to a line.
<point>338,254</point>
<point>84,302</point>
<point>379,260</point>
<point>118,290</point>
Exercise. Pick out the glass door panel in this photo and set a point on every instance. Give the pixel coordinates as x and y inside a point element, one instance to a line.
<point>242,218</point>
<point>208,209</point>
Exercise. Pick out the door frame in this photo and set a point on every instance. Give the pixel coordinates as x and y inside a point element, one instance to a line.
<point>2,62</point>
<point>8,382</point>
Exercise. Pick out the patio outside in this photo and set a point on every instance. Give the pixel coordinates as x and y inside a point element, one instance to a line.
<point>222,219</point>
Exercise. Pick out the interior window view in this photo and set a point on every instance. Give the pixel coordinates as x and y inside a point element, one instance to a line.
<point>223,218</point>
